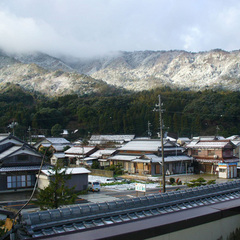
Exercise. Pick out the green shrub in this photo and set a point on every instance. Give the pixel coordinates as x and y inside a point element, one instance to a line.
<point>211,182</point>
<point>172,180</point>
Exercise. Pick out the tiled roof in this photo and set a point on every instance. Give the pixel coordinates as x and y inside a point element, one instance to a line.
<point>9,151</point>
<point>124,157</point>
<point>116,138</point>
<point>208,144</point>
<point>21,168</point>
<point>142,145</point>
<point>236,142</point>
<point>79,150</point>
<point>59,148</point>
<point>68,171</point>
<point>59,155</point>
<point>3,136</point>
<point>99,153</point>
<point>58,140</point>
<point>64,222</point>
<point>177,158</point>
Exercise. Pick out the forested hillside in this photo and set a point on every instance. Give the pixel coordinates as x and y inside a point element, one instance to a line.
<point>185,113</point>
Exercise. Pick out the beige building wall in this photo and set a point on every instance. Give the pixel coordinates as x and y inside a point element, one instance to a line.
<point>220,229</point>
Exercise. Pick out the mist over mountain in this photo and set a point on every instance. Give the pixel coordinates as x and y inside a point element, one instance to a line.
<point>137,71</point>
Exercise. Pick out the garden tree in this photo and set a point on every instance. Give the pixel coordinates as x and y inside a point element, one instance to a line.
<point>56,130</point>
<point>95,165</point>
<point>57,193</point>
<point>66,148</point>
<point>200,182</point>
<point>47,152</point>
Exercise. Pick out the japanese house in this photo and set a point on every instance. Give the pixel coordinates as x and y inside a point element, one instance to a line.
<point>19,163</point>
<point>144,156</point>
<point>215,157</point>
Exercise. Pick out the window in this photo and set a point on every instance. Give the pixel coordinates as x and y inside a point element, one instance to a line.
<point>211,152</point>
<point>195,152</point>
<point>20,181</point>
<point>222,170</point>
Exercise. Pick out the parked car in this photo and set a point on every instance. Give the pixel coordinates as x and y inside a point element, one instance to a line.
<point>108,180</point>
<point>94,186</point>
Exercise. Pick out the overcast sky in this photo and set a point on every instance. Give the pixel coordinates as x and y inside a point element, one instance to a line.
<point>89,27</point>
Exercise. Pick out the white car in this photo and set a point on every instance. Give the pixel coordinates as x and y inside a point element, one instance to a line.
<point>94,186</point>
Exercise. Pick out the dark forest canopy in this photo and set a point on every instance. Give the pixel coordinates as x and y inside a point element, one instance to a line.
<point>186,113</point>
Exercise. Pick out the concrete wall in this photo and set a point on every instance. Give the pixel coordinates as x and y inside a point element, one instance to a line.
<point>220,229</point>
<point>99,172</point>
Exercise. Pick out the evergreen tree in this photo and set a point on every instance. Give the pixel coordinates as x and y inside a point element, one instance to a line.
<point>56,130</point>
<point>56,193</point>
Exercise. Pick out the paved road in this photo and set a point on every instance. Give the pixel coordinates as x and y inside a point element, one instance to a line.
<point>110,195</point>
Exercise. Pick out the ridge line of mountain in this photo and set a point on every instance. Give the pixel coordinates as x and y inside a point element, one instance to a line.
<point>135,71</point>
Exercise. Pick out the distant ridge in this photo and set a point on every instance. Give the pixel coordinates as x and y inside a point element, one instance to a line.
<point>137,71</point>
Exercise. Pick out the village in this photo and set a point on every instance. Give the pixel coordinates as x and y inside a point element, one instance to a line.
<point>128,156</point>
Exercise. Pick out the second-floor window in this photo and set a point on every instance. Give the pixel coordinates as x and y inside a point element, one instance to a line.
<point>211,152</point>
<point>195,152</point>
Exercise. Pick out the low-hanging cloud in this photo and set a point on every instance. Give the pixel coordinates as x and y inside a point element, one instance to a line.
<point>86,28</point>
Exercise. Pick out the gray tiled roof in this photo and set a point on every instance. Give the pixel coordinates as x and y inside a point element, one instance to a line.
<point>21,168</point>
<point>53,140</point>
<point>9,151</point>
<point>142,145</point>
<point>81,218</point>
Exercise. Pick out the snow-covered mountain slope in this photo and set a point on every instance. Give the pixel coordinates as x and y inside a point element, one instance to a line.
<point>34,78</point>
<point>178,69</point>
<point>43,60</point>
<point>142,70</point>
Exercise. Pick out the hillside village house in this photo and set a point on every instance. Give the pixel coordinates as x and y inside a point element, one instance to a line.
<point>143,156</point>
<point>59,158</point>
<point>102,156</point>
<point>56,144</point>
<point>19,163</point>
<point>106,140</point>
<point>79,155</point>
<point>215,157</point>
<point>235,139</point>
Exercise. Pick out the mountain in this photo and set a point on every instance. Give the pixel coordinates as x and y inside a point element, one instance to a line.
<point>51,83</point>
<point>42,60</point>
<point>5,60</point>
<point>141,70</point>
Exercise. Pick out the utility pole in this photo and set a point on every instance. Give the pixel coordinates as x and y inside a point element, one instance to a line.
<point>149,132</point>
<point>30,137</point>
<point>217,129</point>
<point>12,125</point>
<point>159,105</point>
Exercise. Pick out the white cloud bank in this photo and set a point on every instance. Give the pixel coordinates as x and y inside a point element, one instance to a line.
<point>86,28</point>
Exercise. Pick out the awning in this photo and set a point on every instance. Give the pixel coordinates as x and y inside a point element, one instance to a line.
<point>124,157</point>
<point>173,158</point>
<point>74,156</point>
<point>141,161</point>
<point>103,160</point>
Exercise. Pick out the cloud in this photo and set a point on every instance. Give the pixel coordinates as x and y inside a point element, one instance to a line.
<point>86,28</point>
